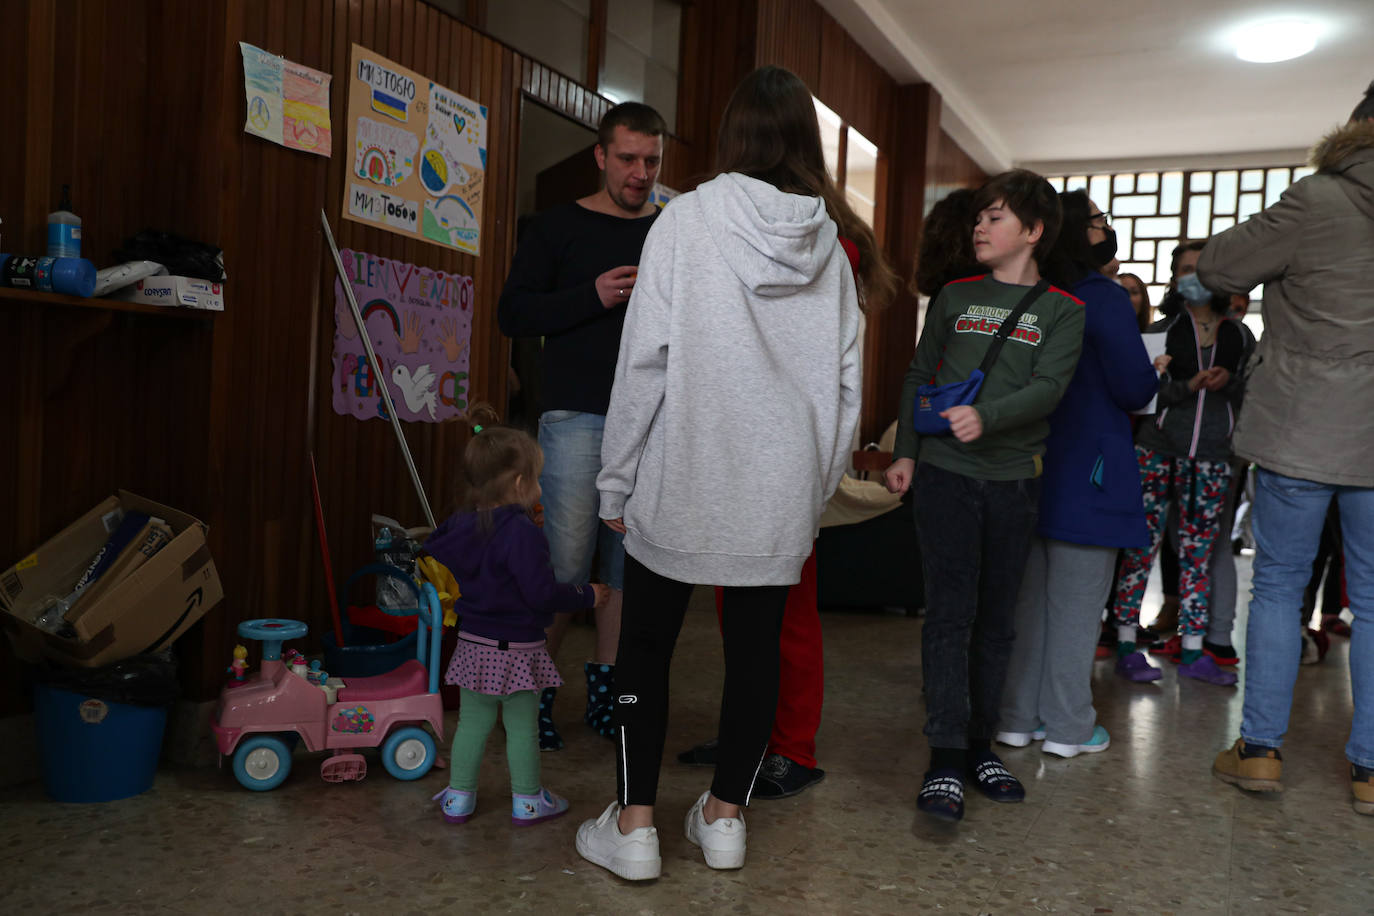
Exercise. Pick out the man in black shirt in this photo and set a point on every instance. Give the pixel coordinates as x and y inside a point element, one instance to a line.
<point>572,274</point>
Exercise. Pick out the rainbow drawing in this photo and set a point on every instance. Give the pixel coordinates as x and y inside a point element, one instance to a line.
<point>389,105</point>
<point>375,166</point>
<point>462,203</point>
<point>381,305</point>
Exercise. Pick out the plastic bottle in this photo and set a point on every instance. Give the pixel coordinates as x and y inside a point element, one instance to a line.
<point>64,229</point>
<point>69,276</point>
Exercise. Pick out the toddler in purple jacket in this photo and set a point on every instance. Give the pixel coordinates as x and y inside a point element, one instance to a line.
<point>500,558</point>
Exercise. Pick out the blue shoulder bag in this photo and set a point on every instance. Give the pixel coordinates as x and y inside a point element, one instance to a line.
<point>932,400</point>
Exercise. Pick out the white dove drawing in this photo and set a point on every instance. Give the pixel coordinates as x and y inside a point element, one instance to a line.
<point>418,387</point>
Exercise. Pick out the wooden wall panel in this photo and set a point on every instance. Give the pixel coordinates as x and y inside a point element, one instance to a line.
<point>142,112</point>
<point>852,84</point>
<point>950,168</point>
<point>718,50</point>
<point>789,35</point>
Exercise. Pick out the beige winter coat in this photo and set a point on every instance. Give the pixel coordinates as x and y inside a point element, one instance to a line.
<point>1309,403</point>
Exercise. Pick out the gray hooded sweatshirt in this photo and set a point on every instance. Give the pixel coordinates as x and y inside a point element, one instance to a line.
<point>737,387</point>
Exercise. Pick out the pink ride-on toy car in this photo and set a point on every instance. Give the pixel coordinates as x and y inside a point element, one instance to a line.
<point>260,720</point>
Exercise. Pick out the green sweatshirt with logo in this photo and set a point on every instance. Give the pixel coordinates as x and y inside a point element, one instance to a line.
<point>1020,391</point>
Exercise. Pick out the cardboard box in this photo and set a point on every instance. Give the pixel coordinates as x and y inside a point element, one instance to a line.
<point>187,292</point>
<point>145,610</point>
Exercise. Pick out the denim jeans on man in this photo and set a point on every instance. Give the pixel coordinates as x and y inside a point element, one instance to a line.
<point>1287,519</point>
<point>571,441</point>
<point>975,535</point>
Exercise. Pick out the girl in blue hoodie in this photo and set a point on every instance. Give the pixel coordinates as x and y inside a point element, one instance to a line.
<point>500,558</point>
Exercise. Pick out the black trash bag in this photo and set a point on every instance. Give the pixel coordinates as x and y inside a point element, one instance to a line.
<point>143,680</point>
<point>182,257</point>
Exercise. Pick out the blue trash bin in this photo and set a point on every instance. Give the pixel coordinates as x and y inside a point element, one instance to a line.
<point>93,746</point>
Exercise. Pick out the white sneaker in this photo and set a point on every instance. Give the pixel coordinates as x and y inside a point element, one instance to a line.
<point>633,856</point>
<point>1021,739</point>
<point>721,841</point>
<point>1098,743</point>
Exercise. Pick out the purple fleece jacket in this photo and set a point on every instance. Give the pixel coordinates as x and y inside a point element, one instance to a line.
<point>504,574</point>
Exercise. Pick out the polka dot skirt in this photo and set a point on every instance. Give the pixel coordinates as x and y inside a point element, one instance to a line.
<point>501,672</point>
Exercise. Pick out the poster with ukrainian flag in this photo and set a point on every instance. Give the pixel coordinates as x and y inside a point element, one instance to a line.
<point>419,155</point>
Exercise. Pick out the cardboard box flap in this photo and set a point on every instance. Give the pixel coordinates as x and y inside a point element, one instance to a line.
<point>145,608</point>
<point>121,598</point>
<point>52,571</point>
<point>179,520</point>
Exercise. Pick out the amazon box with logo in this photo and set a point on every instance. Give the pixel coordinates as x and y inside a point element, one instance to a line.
<point>128,577</point>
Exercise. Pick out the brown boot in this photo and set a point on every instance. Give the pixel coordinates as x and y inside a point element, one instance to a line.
<point>1166,622</point>
<point>1362,783</point>
<point>1258,773</point>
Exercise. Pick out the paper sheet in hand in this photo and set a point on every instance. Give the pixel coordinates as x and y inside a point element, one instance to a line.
<point>1154,346</point>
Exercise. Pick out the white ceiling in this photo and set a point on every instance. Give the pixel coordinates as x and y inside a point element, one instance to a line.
<point>1073,85</point>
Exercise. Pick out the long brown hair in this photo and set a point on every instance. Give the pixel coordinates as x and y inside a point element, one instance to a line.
<point>1142,317</point>
<point>769,132</point>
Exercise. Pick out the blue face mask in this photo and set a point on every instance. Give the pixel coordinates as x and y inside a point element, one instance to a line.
<point>1190,287</point>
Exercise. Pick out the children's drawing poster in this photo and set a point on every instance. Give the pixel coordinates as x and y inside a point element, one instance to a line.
<point>419,155</point>
<point>420,324</point>
<point>288,103</point>
<point>661,194</point>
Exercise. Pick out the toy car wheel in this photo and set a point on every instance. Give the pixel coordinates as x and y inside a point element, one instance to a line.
<point>262,762</point>
<point>408,752</point>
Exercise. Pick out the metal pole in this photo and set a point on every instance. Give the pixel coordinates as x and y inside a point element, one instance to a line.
<point>378,372</point>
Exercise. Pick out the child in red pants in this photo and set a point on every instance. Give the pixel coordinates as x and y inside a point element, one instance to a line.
<point>790,766</point>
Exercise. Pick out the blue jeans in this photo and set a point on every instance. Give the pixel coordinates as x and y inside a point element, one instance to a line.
<point>571,441</point>
<point>1287,521</point>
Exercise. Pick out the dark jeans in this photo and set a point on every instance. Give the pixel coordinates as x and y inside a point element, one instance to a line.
<point>975,536</point>
<point>651,618</point>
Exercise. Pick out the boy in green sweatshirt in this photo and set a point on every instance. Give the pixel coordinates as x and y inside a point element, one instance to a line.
<point>977,488</point>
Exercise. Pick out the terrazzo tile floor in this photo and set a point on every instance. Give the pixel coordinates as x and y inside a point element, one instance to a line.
<point>1141,828</point>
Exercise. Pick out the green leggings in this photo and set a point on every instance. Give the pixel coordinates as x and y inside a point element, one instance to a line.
<point>476,716</point>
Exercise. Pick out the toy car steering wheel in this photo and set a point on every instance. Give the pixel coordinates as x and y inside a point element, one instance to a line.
<point>272,631</point>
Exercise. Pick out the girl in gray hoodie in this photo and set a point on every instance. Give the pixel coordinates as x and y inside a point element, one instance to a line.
<point>735,402</point>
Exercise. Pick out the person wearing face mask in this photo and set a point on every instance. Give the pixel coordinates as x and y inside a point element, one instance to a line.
<point>1184,456</point>
<point>1090,503</point>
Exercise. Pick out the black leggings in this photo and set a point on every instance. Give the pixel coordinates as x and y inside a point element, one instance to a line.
<point>650,621</point>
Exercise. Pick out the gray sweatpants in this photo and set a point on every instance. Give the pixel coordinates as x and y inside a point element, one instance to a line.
<point>1058,620</point>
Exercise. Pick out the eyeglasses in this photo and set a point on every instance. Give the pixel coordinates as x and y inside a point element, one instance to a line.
<point>1104,216</point>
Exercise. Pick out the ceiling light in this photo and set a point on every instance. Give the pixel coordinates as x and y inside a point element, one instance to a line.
<point>1275,40</point>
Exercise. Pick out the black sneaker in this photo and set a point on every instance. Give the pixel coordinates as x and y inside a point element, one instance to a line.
<point>1221,654</point>
<point>703,755</point>
<point>1147,638</point>
<point>781,777</point>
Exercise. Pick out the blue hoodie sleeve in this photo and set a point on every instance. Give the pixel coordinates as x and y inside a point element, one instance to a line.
<point>527,558</point>
<point>1131,377</point>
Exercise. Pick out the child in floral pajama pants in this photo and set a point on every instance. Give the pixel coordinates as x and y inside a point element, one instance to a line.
<point>1200,490</point>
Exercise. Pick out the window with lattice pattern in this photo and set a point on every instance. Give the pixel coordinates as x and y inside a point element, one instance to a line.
<point>1152,212</point>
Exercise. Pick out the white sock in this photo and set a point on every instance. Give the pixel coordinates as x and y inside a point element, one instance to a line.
<point>1125,633</point>
<point>1192,642</point>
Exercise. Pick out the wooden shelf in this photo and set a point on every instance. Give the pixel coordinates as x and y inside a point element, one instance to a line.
<point>51,300</point>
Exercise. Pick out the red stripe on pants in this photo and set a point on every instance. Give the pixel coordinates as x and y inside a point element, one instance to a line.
<point>801,677</point>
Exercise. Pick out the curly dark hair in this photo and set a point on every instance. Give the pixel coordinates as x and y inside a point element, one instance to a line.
<point>946,249</point>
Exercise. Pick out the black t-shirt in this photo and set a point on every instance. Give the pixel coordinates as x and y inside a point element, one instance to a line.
<point>551,293</point>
